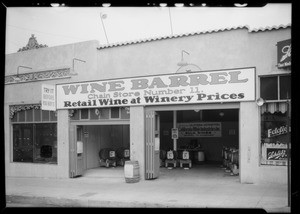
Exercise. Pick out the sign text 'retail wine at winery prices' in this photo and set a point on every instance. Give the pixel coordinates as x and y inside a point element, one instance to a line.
<point>234,85</point>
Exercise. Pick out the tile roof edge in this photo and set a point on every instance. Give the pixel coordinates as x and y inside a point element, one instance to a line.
<point>276,27</point>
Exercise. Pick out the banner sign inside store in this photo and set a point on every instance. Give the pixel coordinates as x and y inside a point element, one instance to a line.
<point>48,97</point>
<point>284,51</point>
<point>234,85</point>
<point>204,129</point>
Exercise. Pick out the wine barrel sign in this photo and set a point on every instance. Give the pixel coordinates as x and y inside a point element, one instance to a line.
<point>230,85</point>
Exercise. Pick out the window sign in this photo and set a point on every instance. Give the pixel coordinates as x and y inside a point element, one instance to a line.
<point>275,137</point>
<point>235,85</point>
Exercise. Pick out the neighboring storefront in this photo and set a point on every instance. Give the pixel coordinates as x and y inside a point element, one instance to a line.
<point>63,104</point>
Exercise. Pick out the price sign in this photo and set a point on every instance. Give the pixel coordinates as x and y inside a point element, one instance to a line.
<point>175,133</point>
<point>126,153</point>
<point>112,154</point>
<point>170,155</point>
<point>185,155</point>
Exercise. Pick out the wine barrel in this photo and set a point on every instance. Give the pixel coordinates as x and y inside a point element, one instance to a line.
<point>163,154</point>
<point>235,157</point>
<point>131,171</point>
<point>200,156</point>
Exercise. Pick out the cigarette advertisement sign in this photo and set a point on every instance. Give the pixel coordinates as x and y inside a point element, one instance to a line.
<point>234,85</point>
<point>205,129</point>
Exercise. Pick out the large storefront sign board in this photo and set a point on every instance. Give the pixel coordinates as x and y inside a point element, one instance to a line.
<point>202,129</point>
<point>235,85</point>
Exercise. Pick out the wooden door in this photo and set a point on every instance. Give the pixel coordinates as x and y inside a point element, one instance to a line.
<point>152,144</point>
<point>76,151</point>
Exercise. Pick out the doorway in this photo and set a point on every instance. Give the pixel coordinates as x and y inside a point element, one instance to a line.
<point>91,140</point>
<point>220,130</point>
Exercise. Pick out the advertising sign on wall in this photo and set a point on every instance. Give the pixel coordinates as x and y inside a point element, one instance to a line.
<point>284,50</point>
<point>48,97</point>
<point>234,85</point>
<point>203,129</point>
<point>274,153</point>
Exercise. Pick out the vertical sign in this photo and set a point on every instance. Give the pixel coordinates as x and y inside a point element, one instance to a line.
<point>284,50</point>
<point>48,97</point>
<point>174,133</point>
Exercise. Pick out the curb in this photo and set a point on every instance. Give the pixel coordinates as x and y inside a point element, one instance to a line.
<point>35,201</point>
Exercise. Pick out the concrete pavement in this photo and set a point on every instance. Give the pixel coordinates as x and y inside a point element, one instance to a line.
<point>177,188</point>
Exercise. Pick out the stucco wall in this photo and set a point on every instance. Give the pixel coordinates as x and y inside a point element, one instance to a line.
<point>30,93</point>
<point>211,51</point>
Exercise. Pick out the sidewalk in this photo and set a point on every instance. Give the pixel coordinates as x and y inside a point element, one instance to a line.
<point>167,191</point>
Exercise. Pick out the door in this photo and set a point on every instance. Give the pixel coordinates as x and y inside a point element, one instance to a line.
<point>76,151</point>
<point>152,144</point>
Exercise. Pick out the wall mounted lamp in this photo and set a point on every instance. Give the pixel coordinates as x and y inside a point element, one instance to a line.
<point>17,78</point>
<point>73,71</point>
<point>182,62</point>
<point>260,101</point>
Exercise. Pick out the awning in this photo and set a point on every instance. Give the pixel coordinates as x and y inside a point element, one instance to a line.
<point>274,107</point>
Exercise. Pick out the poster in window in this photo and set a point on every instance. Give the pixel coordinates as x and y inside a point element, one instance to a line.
<point>275,135</point>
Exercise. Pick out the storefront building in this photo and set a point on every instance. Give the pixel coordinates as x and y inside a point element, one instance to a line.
<point>63,104</point>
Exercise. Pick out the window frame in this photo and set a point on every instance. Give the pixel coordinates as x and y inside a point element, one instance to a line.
<point>278,86</point>
<point>33,122</point>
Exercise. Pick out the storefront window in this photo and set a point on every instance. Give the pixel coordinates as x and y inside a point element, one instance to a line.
<point>275,130</point>
<point>285,87</point>
<point>34,141</point>
<point>275,135</point>
<point>101,113</point>
<point>115,112</point>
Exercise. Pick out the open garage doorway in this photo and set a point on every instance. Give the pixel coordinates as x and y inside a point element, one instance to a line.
<point>209,136</point>
<point>105,148</point>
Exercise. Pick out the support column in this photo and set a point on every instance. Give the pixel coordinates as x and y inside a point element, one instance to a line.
<point>174,126</point>
<point>137,137</point>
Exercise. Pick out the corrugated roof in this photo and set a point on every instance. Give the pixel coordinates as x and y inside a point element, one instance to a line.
<point>274,27</point>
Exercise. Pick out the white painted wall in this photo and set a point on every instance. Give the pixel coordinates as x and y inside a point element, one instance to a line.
<point>137,137</point>
<point>30,93</point>
<point>211,51</point>
<point>59,170</point>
